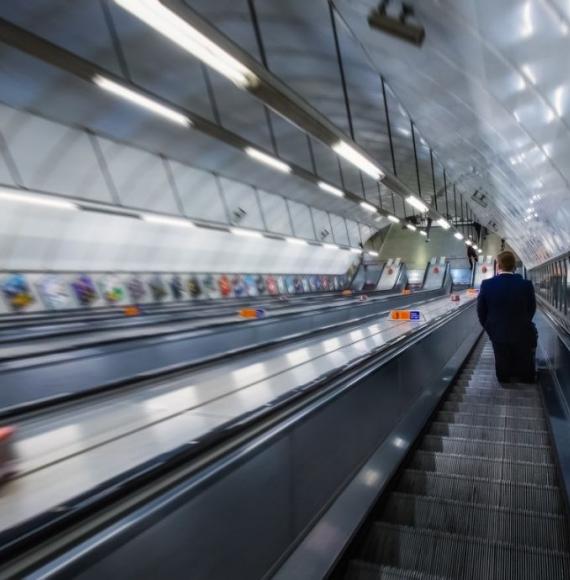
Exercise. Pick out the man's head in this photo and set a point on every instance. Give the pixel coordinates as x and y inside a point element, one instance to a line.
<point>506,261</point>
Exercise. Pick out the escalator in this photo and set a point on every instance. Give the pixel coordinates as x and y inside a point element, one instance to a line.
<point>478,497</point>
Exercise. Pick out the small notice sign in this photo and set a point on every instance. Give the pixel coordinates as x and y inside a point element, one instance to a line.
<point>405,315</point>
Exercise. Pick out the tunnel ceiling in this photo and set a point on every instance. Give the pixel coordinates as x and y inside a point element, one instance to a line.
<point>488,94</point>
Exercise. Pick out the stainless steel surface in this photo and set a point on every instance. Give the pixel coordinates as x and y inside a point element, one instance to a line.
<point>63,453</point>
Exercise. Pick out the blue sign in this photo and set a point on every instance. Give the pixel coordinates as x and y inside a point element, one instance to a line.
<point>414,314</point>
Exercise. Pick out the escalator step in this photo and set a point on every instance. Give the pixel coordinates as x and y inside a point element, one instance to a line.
<point>475,466</point>
<point>485,420</point>
<point>498,410</point>
<point>484,388</point>
<point>488,449</point>
<point>359,570</point>
<point>461,557</point>
<point>522,436</point>
<point>530,528</point>
<point>516,495</point>
<point>494,398</point>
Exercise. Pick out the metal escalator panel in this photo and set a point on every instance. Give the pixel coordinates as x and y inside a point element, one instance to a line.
<point>479,497</point>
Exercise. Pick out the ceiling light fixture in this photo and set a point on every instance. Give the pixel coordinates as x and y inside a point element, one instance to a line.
<point>367,206</point>
<point>330,189</point>
<point>355,251</point>
<point>36,199</point>
<point>458,236</point>
<point>268,159</point>
<point>357,159</point>
<point>296,241</point>
<point>246,233</point>
<point>167,220</point>
<point>480,251</point>
<point>443,223</point>
<point>411,227</point>
<point>528,74</point>
<point>393,219</point>
<point>468,243</point>
<point>374,254</point>
<point>177,30</point>
<point>423,233</point>
<point>141,100</point>
<point>417,203</point>
<point>331,246</point>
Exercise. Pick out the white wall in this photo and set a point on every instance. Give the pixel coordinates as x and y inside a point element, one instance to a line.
<point>40,238</point>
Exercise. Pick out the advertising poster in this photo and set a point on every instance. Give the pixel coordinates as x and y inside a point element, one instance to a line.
<point>306,284</point>
<point>136,289</point>
<point>281,285</point>
<point>177,287</point>
<point>290,284</point>
<point>111,289</point>
<point>313,283</point>
<point>85,290</point>
<point>194,287</point>
<point>54,292</point>
<point>225,286</point>
<point>238,286</point>
<point>260,283</point>
<point>325,283</point>
<point>17,292</point>
<point>271,286</point>
<point>158,289</point>
<point>250,284</point>
<point>210,286</point>
<point>298,285</point>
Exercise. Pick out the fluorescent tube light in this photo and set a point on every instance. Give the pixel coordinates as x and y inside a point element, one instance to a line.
<point>141,100</point>
<point>443,223</point>
<point>458,235</point>
<point>417,203</point>
<point>394,219</point>
<point>154,14</point>
<point>167,221</point>
<point>480,250</point>
<point>331,246</point>
<point>371,253</point>
<point>246,233</point>
<point>355,251</point>
<point>475,247</point>
<point>36,199</point>
<point>297,241</point>
<point>267,159</point>
<point>411,227</point>
<point>367,206</point>
<point>356,158</point>
<point>423,233</point>
<point>330,189</point>
<point>468,243</point>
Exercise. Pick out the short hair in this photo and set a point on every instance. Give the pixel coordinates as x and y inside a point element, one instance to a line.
<point>506,261</point>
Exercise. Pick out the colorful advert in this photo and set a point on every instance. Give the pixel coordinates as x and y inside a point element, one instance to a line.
<point>54,292</point>
<point>84,290</point>
<point>17,292</point>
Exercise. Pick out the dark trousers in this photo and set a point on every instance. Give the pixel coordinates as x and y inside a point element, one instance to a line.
<point>515,361</point>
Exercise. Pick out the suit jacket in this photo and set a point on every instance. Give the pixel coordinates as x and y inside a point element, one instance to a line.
<point>505,307</point>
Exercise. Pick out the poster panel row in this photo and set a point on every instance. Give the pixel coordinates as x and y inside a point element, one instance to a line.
<point>51,291</point>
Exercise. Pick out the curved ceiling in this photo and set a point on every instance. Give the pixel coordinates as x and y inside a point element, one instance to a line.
<point>490,88</point>
<point>488,92</point>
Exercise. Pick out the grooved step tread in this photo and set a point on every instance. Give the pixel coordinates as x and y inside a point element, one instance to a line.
<point>511,494</point>
<point>501,469</point>
<point>359,570</point>
<point>485,420</point>
<point>465,557</point>
<point>518,527</point>
<point>488,449</point>
<point>526,436</point>
<point>504,410</point>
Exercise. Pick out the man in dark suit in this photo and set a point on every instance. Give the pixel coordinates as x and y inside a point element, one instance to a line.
<point>505,306</point>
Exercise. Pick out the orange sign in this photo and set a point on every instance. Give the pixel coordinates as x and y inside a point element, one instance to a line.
<point>472,291</point>
<point>405,314</point>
